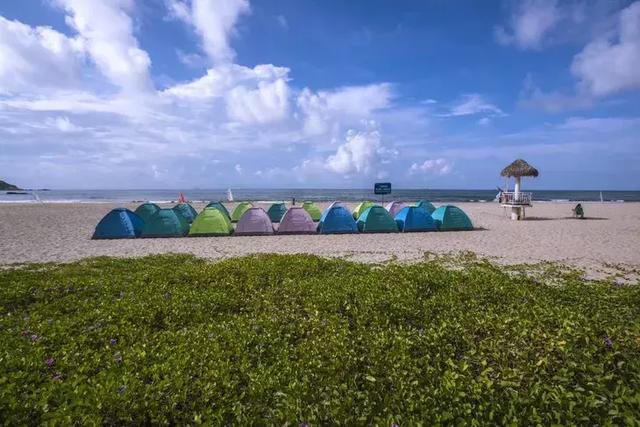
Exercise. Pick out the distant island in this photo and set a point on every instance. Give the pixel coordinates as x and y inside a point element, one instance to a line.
<point>7,187</point>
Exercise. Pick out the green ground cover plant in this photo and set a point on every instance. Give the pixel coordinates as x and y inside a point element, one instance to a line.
<point>290,340</point>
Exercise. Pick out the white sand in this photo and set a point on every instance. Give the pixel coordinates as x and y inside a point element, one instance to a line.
<point>61,232</point>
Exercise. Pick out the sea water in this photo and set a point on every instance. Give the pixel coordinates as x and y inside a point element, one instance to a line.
<point>301,194</point>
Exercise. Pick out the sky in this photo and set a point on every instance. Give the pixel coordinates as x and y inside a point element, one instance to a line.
<point>318,93</point>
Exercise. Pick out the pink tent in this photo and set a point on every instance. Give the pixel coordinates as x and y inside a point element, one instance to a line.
<point>297,221</point>
<point>394,207</point>
<point>254,221</point>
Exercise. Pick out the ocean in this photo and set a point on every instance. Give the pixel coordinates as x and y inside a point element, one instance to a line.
<point>300,194</point>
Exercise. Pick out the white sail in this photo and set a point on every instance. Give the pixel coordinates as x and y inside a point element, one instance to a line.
<point>229,195</point>
<point>601,199</point>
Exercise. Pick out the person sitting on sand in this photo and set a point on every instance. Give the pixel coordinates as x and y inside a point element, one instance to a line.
<point>578,212</point>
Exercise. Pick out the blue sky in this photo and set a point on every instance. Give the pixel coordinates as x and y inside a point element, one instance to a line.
<point>302,93</point>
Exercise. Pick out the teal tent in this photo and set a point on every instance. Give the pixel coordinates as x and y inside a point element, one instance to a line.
<point>165,223</point>
<point>222,208</point>
<point>428,206</point>
<point>276,211</point>
<point>186,211</point>
<point>449,218</point>
<point>376,219</point>
<point>119,224</point>
<point>146,210</point>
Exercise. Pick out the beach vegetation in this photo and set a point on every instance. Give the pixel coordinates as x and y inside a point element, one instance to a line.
<point>297,339</point>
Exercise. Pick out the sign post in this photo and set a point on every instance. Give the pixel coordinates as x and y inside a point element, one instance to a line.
<point>382,188</point>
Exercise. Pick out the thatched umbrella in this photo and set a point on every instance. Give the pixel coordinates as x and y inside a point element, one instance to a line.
<point>517,169</point>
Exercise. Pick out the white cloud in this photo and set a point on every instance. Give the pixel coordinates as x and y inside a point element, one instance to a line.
<point>605,67</point>
<point>267,103</point>
<point>361,153</point>
<point>37,58</point>
<point>474,103</point>
<point>321,108</point>
<point>238,169</point>
<point>282,21</point>
<point>214,21</point>
<point>107,32</point>
<point>438,166</point>
<point>63,124</point>
<point>218,81</point>
<point>530,24</point>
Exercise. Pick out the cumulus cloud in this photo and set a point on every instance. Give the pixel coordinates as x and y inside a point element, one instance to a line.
<point>25,52</point>
<point>361,153</point>
<point>267,103</point>
<point>63,124</point>
<point>214,21</point>
<point>530,23</point>
<point>438,166</point>
<point>608,66</point>
<point>319,108</point>
<point>107,33</point>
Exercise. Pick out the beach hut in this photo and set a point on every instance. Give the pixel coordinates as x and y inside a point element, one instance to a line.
<point>426,205</point>
<point>516,199</point>
<point>186,211</point>
<point>240,210</point>
<point>211,222</point>
<point>361,207</point>
<point>297,221</point>
<point>165,223</point>
<point>313,210</point>
<point>276,211</point>
<point>337,220</point>
<point>449,218</point>
<point>254,222</point>
<point>146,210</point>
<point>222,208</point>
<point>413,218</point>
<point>376,219</point>
<point>394,207</point>
<point>119,224</point>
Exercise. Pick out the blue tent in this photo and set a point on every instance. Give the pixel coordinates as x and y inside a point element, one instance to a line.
<point>412,218</point>
<point>119,224</point>
<point>337,220</point>
<point>449,217</point>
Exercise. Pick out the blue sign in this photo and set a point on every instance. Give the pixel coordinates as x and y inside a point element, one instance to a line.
<point>382,188</point>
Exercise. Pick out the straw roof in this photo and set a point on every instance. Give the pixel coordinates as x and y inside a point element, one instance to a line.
<point>519,168</point>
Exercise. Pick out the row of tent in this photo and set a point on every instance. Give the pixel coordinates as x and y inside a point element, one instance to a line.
<point>150,220</point>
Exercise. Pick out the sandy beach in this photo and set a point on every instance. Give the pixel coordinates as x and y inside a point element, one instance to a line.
<point>611,235</point>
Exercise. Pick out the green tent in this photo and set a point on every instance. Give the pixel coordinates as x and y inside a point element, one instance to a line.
<point>376,219</point>
<point>276,211</point>
<point>425,205</point>
<point>186,211</point>
<point>240,210</point>
<point>449,218</point>
<point>313,210</point>
<point>165,223</point>
<point>211,222</point>
<point>361,208</point>
<point>220,207</point>
<point>146,210</point>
